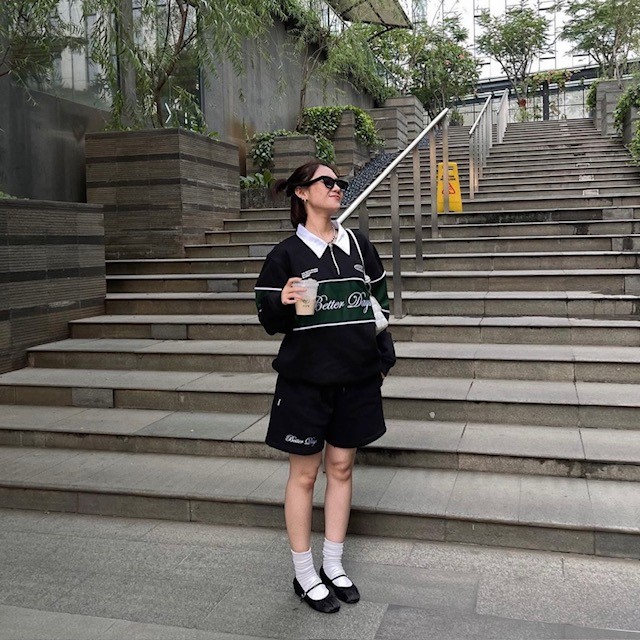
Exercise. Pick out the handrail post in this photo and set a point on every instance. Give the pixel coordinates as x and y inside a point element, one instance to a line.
<point>433,182</point>
<point>417,209</point>
<point>363,219</point>
<point>472,167</point>
<point>445,164</point>
<point>395,243</point>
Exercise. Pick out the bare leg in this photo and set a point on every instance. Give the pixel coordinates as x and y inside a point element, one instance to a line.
<point>298,499</point>
<point>337,500</point>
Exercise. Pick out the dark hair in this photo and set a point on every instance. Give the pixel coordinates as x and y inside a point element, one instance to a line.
<point>299,177</point>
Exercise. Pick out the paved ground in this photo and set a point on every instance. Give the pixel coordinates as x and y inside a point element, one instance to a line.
<point>69,576</point>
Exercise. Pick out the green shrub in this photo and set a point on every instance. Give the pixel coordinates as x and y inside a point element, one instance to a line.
<point>323,121</point>
<point>590,100</point>
<point>257,180</point>
<point>630,98</point>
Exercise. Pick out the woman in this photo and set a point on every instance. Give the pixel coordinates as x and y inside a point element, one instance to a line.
<point>331,365</point>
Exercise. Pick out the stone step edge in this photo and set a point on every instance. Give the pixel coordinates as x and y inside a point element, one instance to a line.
<point>397,389</point>
<point>586,539</point>
<point>431,256</point>
<point>463,352</point>
<point>480,273</point>
<point>395,454</point>
<point>409,320</point>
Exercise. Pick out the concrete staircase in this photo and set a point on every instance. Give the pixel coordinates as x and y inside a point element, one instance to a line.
<point>513,411</point>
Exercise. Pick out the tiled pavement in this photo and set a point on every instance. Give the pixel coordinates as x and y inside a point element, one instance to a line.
<point>66,576</point>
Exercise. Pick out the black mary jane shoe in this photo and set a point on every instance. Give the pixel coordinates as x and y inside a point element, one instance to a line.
<point>350,595</point>
<point>329,604</point>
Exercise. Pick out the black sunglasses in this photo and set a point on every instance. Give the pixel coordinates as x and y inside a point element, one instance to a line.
<point>328,182</point>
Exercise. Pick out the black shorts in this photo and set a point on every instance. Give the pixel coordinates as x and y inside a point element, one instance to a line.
<point>304,416</point>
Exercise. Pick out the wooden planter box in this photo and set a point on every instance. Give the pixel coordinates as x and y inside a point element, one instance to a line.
<point>162,189</point>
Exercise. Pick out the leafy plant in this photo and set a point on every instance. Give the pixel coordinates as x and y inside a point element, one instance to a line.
<point>257,180</point>
<point>514,40</point>
<point>32,36</point>
<point>630,98</point>
<point>262,147</point>
<point>430,62</point>
<point>607,30</point>
<point>161,47</point>
<point>324,121</point>
<point>634,145</point>
<point>592,94</point>
<point>456,119</point>
<point>6,196</point>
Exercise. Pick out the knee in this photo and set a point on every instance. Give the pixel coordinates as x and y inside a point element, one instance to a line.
<point>339,470</point>
<point>304,479</point>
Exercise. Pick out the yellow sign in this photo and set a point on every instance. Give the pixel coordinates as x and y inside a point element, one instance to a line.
<point>455,197</point>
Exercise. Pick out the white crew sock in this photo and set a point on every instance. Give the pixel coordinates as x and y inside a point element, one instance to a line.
<point>332,563</point>
<point>307,575</point>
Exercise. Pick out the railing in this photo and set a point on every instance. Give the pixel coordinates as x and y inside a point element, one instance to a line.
<point>503,115</point>
<point>481,139</point>
<point>360,203</point>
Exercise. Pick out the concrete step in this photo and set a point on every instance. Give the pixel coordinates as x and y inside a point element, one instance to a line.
<point>458,261</point>
<point>564,304</point>
<point>450,226</point>
<point>585,181</point>
<point>461,329</point>
<point>415,359</point>
<point>495,401</point>
<point>566,514</point>
<point>611,281</point>
<point>517,189</point>
<point>432,247</point>
<point>601,170</point>
<point>527,450</point>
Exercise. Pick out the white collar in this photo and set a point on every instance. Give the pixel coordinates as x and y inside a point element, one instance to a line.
<point>318,245</point>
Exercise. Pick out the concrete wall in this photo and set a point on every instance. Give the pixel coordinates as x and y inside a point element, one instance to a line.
<point>266,96</point>
<point>42,144</point>
<point>52,270</point>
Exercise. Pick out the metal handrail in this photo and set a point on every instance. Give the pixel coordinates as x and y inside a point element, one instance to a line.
<point>479,146</point>
<point>503,115</point>
<point>481,139</point>
<point>360,202</point>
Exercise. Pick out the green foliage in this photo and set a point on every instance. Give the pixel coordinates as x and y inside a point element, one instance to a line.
<point>6,196</point>
<point>456,118</point>
<point>429,62</point>
<point>323,122</point>
<point>164,48</point>
<point>514,40</point>
<point>630,98</point>
<point>261,145</point>
<point>258,180</point>
<point>32,36</point>
<point>590,100</point>
<point>607,30</point>
<point>634,145</point>
<point>350,56</point>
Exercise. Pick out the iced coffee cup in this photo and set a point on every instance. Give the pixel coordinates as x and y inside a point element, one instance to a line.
<point>306,306</point>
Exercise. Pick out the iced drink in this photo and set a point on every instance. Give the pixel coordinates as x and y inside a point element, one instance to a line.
<point>306,306</point>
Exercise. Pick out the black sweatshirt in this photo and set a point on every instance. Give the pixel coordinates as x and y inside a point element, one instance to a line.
<point>338,344</point>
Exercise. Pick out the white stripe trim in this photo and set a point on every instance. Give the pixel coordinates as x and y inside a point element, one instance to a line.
<point>334,324</point>
<point>266,289</point>
<point>384,275</point>
<point>342,280</point>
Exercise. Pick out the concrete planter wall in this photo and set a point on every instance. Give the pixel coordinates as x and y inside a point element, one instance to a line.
<point>161,189</point>
<point>351,154</point>
<point>391,123</point>
<point>608,94</point>
<point>289,152</point>
<point>414,113</point>
<point>630,125</point>
<point>52,271</point>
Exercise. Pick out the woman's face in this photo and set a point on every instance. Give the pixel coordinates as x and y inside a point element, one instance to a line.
<point>320,197</point>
